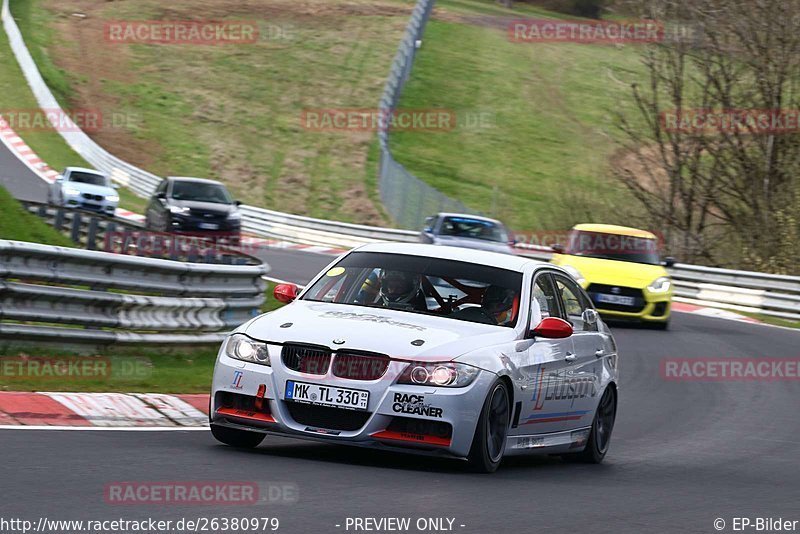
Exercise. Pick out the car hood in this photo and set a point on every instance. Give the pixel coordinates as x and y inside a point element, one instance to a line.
<point>467,242</point>
<point>209,207</point>
<point>378,330</point>
<point>612,272</point>
<point>92,189</point>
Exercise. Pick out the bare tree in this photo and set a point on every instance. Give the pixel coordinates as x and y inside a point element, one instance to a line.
<point>728,195</point>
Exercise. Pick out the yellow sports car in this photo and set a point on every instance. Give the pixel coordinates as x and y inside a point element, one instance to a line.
<point>621,269</point>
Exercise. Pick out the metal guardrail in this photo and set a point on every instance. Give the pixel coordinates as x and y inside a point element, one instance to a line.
<point>51,293</point>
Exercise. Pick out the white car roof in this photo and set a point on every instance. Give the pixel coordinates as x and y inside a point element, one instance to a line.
<point>468,255</point>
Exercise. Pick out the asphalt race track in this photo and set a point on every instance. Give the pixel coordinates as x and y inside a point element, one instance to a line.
<point>18,179</point>
<point>683,453</point>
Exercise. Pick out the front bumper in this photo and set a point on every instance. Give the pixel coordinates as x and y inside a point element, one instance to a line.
<point>390,421</point>
<point>656,309</point>
<point>95,203</point>
<point>198,224</point>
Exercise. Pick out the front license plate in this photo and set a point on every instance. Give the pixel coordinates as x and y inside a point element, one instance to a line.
<point>353,399</point>
<point>208,226</point>
<point>616,299</point>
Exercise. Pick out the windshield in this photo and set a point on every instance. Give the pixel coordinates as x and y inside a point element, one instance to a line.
<point>614,247</point>
<point>474,229</point>
<point>88,178</point>
<point>201,192</point>
<point>418,284</point>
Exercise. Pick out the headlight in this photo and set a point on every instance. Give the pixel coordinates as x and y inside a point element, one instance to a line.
<point>178,210</point>
<point>241,347</point>
<point>235,216</point>
<point>574,273</point>
<point>446,374</point>
<point>113,198</point>
<point>71,191</point>
<point>660,285</point>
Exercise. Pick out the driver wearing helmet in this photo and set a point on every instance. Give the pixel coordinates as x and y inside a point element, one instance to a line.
<point>400,289</point>
<point>498,302</point>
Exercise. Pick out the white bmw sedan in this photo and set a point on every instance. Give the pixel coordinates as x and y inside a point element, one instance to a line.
<point>417,348</point>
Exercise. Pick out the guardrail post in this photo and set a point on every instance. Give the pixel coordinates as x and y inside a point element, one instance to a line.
<point>75,233</point>
<point>59,222</point>
<point>41,211</point>
<point>91,235</point>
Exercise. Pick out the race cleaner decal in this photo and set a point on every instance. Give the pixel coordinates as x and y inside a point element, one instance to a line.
<point>414,404</point>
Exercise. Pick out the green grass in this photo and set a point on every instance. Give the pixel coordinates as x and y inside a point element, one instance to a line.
<point>117,369</point>
<point>234,112</point>
<point>17,224</point>
<point>544,160</point>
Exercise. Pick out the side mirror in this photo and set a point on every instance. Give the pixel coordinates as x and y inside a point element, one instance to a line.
<point>161,195</point>
<point>285,293</point>
<point>59,179</point>
<point>553,328</point>
<point>558,248</point>
<point>669,261</point>
<point>237,202</point>
<point>115,186</point>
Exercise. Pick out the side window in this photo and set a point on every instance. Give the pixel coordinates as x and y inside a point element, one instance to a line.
<point>575,303</point>
<point>162,187</point>
<point>545,302</point>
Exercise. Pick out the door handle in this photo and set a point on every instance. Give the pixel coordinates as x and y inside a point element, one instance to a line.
<point>571,357</point>
<point>599,353</point>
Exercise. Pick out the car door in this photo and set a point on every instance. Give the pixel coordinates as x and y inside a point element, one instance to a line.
<point>544,366</point>
<point>582,379</point>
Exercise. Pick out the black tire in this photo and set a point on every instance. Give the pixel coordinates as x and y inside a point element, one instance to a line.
<point>234,437</point>
<point>489,441</point>
<point>600,433</point>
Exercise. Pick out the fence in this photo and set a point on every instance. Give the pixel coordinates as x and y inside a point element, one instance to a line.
<point>99,297</point>
<point>407,198</point>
